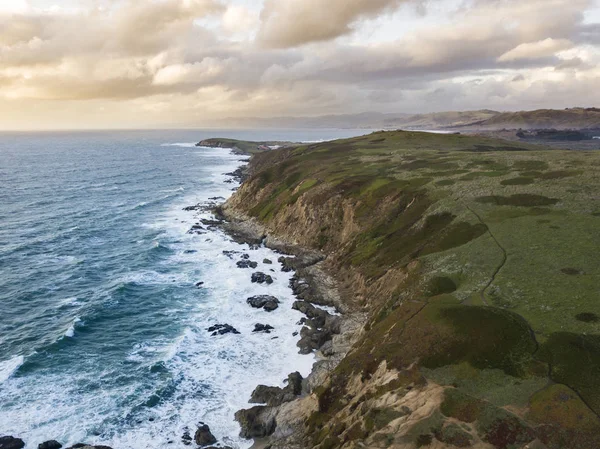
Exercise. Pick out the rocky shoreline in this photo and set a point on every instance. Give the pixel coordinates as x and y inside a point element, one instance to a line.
<point>279,421</point>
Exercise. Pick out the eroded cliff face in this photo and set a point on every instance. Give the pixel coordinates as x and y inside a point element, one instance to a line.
<point>422,358</point>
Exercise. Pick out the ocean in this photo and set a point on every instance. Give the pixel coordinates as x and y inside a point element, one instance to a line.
<point>103,331</point>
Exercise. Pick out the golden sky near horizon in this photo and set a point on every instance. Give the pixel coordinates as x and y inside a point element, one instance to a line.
<point>80,64</point>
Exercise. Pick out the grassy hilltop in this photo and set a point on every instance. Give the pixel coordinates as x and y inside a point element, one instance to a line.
<point>477,262</point>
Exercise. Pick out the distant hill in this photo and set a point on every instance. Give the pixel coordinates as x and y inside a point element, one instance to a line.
<point>482,120</point>
<point>574,118</point>
<point>368,120</point>
<point>439,120</point>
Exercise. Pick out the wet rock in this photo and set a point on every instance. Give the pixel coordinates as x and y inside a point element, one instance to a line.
<point>231,254</point>
<point>257,422</point>
<point>186,437</point>
<point>217,198</point>
<point>312,339</point>
<point>294,383</point>
<point>300,261</point>
<point>327,349</point>
<point>52,444</point>
<point>245,256</point>
<point>266,302</point>
<point>286,264</point>
<point>247,264</point>
<point>237,175</point>
<point>199,284</point>
<point>192,208</point>
<point>197,229</point>
<point>87,446</point>
<point>203,436</point>
<point>268,261</point>
<point>9,442</point>
<point>299,286</point>
<point>272,396</point>
<point>222,329</point>
<point>318,316</point>
<point>265,328</point>
<point>207,222</point>
<point>261,278</point>
<point>275,396</point>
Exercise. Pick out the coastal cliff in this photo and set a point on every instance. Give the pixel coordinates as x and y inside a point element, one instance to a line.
<point>464,268</point>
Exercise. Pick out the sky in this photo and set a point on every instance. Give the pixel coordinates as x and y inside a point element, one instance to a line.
<point>85,64</point>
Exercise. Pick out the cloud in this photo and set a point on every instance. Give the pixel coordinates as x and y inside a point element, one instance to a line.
<point>239,19</point>
<point>290,23</point>
<point>184,61</point>
<point>536,50</point>
<point>572,63</point>
<point>206,72</point>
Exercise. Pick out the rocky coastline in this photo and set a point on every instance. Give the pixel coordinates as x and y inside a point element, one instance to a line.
<point>279,421</point>
<point>330,327</point>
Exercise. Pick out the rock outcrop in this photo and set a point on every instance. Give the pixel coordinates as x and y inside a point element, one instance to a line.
<point>275,396</point>
<point>52,444</point>
<point>222,329</point>
<point>9,442</point>
<point>261,278</point>
<point>256,422</point>
<point>265,302</point>
<point>203,436</point>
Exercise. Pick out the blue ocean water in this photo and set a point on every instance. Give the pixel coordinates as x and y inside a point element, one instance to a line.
<point>102,330</point>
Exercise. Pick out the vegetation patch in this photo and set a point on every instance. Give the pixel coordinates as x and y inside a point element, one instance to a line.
<point>485,337</point>
<point>566,422</point>
<point>559,174</point>
<point>507,432</point>
<point>575,362</point>
<point>519,200</point>
<point>377,418</point>
<point>461,406</point>
<point>571,271</point>
<point>559,405</point>
<point>521,181</point>
<point>530,165</point>
<point>441,285</point>
<point>454,435</point>
<point>445,182</point>
<point>587,317</point>
<point>423,440</point>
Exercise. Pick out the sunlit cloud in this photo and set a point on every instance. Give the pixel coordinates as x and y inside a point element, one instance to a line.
<point>104,63</point>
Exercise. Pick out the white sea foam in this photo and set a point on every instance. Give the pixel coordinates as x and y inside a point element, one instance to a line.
<point>9,367</point>
<point>67,260</point>
<point>155,278</point>
<point>218,374</point>
<point>70,332</point>
<point>180,144</point>
<point>72,301</point>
